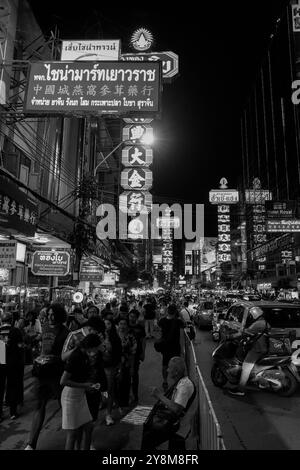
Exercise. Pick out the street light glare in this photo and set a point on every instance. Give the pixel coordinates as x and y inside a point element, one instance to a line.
<point>147,139</point>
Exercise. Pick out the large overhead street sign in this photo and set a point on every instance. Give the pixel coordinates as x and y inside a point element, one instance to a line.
<point>169,61</point>
<point>106,87</point>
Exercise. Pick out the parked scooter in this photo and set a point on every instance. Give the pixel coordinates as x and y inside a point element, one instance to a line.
<point>273,373</point>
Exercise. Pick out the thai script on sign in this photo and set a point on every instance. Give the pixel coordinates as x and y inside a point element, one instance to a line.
<point>217,196</point>
<point>97,73</point>
<point>111,86</point>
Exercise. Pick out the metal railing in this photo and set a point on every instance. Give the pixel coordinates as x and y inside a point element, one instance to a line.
<point>205,428</point>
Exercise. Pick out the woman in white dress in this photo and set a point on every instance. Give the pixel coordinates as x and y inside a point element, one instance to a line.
<point>76,417</point>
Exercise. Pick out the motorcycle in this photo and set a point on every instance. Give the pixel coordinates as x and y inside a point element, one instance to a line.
<point>273,373</point>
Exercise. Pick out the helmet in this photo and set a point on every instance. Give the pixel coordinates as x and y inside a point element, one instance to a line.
<point>256,312</point>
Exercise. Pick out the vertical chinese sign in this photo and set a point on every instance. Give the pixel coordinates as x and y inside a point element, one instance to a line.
<point>136,177</point>
<point>256,199</point>
<point>223,198</point>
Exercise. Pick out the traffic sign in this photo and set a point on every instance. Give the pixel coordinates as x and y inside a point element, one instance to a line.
<point>169,61</point>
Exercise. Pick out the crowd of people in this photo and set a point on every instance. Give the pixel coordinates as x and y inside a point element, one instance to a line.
<point>87,359</point>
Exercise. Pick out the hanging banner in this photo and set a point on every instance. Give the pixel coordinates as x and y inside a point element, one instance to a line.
<point>93,87</point>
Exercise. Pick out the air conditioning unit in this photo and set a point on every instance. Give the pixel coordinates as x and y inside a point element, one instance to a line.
<point>34,181</point>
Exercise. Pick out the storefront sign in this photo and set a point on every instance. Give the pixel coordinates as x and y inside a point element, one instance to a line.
<point>8,255</point>
<point>259,196</point>
<point>273,245</point>
<point>93,87</point>
<point>90,270</point>
<point>168,222</point>
<point>226,196</point>
<point>104,49</point>
<point>17,210</point>
<point>169,61</point>
<point>281,209</point>
<point>134,202</point>
<point>188,262</point>
<point>109,279</point>
<point>136,178</point>
<point>137,156</point>
<point>296,17</point>
<point>283,225</point>
<point>138,131</point>
<point>50,263</point>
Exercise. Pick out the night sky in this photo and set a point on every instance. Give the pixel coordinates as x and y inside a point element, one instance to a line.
<point>219,48</point>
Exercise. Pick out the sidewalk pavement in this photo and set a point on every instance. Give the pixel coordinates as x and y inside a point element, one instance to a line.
<point>120,436</point>
<point>123,435</point>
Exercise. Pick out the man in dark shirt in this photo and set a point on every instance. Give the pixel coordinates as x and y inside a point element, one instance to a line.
<point>149,316</point>
<point>171,327</point>
<point>139,333</point>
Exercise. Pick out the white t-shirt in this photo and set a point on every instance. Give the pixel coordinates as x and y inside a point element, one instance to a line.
<point>186,313</point>
<point>181,395</point>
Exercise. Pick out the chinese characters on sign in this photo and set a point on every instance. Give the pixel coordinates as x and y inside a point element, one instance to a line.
<point>136,177</point>
<point>93,87</point>
<point>8,255</point>
<point>296,18</point>
<point>224,238</point>
<point>17,211</point>
<point>133,202</point>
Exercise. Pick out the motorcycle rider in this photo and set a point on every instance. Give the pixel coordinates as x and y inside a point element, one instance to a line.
<point>258,349</point>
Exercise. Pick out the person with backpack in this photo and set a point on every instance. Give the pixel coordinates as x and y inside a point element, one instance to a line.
<point>48,368</point>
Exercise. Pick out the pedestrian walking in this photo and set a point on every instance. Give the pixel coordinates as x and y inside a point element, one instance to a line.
<point>170,327</point>
<point>112,352</point>
<point>48,368</point>
<point>125,374</point>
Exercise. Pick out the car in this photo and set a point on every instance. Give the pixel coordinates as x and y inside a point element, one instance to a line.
<point>279,315</point>
<point>204,314</point>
